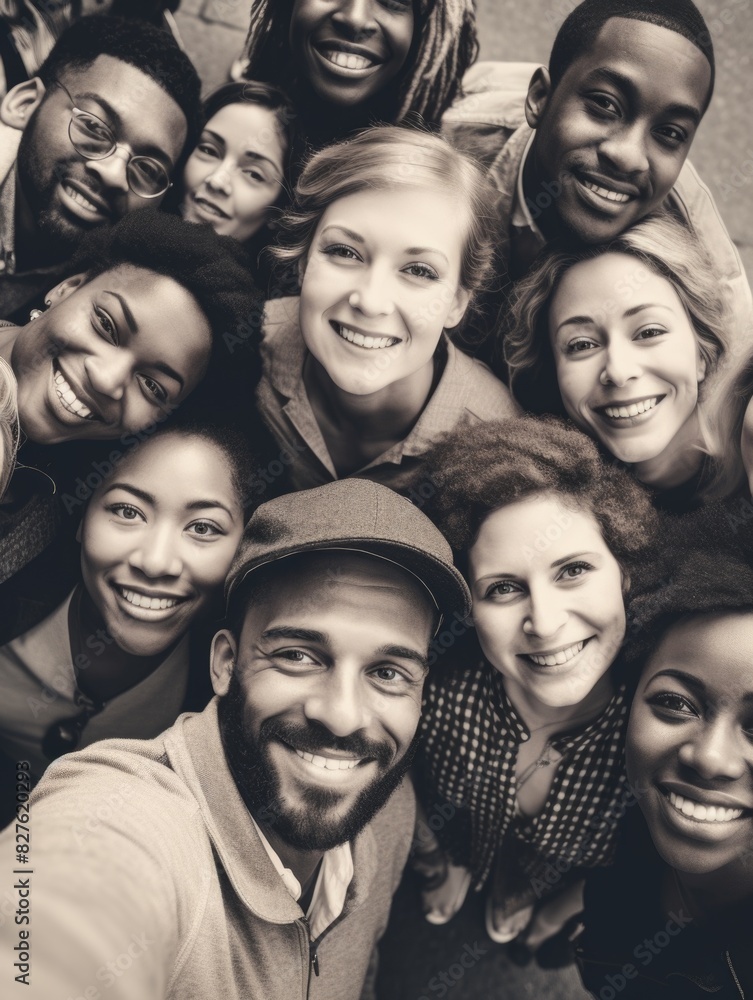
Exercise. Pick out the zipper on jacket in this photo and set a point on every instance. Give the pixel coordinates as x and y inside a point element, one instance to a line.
<point>734,974</point>
<point>313,962</point>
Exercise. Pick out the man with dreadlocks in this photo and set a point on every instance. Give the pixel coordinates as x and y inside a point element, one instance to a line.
<point>348,65</point>
<point>599,140</point>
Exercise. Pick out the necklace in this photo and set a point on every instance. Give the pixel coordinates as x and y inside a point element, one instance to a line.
<point>543,761</point>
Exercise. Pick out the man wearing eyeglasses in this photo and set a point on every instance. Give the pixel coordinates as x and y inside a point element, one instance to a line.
<point>96,134</point>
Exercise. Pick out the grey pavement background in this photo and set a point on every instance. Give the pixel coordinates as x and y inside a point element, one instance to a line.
<point>420,962</point>
<point>213,31</point>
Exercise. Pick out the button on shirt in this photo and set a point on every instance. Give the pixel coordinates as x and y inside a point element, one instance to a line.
<point>466,391</point>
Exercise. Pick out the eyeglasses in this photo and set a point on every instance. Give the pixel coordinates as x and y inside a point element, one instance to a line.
<point>94,140</point>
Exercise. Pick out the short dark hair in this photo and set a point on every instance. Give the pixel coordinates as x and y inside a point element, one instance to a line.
<point>151,50</point>
<point>215,269</point>
<point>579,30</point>
<point>702,582</point>
<point>477,471</point>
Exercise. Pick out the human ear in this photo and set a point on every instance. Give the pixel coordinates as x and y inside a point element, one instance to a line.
<point>20,103</point>
<point>65,288</point>
<point>701,368</point>
<point>222,661</point>
<point>537,97</point>
<point>458,307</point>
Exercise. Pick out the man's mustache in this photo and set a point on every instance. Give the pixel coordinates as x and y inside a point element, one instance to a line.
<point>316,738</point>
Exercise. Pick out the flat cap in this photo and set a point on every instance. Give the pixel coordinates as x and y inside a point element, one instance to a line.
<point>359,515</point>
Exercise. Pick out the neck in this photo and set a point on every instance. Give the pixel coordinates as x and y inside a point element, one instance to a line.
<point>717,895</point>
<point>390,412</point>
<point>537,715</point>
<point>679,461</point>
<point>31,249</point>
<point>303,864</point>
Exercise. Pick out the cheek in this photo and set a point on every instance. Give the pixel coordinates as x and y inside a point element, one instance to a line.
<point>194,174</point>
<point>496,628</point>
<point>646,743</point>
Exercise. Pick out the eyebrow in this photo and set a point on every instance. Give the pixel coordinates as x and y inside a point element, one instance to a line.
<point>208,505</point>
<point>348,232</point>
<point>293,632</point>
<point>405,653</point>
<point>590,321</point>
<point>129,317</point>
<point>625,84</point>
<point>141,494</point>
<point>575,555</point>
<point>149,148</point>
<point>648,305</point>
<point>694,683</point>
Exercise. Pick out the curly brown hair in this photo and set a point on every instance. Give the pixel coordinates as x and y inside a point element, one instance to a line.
<point>505,462</point>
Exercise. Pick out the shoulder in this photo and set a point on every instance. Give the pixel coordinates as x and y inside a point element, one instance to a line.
<point>492,93</point>
<point>484,396</point>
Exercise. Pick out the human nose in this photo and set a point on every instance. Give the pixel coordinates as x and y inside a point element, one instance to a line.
<point>620,364</point>
<point>157,555</point>
<point>112,169</point>
<point>546,613</point>
<point>371,296</point>
<point>220,178</point>
<point>356,17</point>
<point>339,702</point>
<point>109,374</point>
<point>625,149</point>
<point>714,751</point>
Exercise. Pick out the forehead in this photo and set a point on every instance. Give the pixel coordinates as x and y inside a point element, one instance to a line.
<point>148,115</point>
<point>610,283</point>
<point>248,127</point>
<point>533,533</point>
<point>663,66</point>
<point>717,649</point>
<point>177,469</point>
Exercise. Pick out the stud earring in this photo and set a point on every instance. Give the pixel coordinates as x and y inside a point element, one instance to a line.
<point>35,314</point>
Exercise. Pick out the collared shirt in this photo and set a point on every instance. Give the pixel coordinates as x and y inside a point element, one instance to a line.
<point>19,290</point>
<point>38,687</point>
<point>466,390</point>
<point>471,734</point>
<point>334,877</point>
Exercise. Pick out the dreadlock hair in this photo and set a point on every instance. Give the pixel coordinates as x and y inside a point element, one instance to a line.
<point>659,243</point>
<point>703,582</point>
<point>579,30</point>
<point>149,49</point>
<point>513,460</point>
<point>444,45</point>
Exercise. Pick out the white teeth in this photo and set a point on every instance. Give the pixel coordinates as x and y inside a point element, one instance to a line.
<point>347,60</point>
<point>370,343</point>
<point>558,658</point>
<point>706,814</point>
<point>69,399</point>
<point>329,763</point>
<point>150,603</point>
<point>81,199</point>
<point>606,192</point>
<point>615,412</point>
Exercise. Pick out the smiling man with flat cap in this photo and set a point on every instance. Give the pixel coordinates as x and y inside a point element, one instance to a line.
<point>253,850</point>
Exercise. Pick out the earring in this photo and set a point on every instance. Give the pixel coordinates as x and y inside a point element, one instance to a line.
<point>35,314</point>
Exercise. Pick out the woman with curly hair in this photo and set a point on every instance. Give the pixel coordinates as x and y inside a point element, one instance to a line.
<point>351,64</point>
<point>523,734</point>
<point>621,338</point>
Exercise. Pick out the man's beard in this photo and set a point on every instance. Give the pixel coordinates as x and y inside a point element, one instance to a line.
<point>60,233</point>
<point>311,828</point>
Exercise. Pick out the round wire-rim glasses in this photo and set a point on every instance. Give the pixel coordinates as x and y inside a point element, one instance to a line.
<point>95,140</point>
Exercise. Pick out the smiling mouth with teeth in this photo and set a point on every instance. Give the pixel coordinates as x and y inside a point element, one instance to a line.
<point>329,763</point>
<point>632,409</point>
<point>68,397</point>
<point>347,60</point>
<point>360,340</point>
<point>606,193</point>
<point>700,812</point>
<point>148,603</point>
<point>75,195</point>
<point>558,657</point>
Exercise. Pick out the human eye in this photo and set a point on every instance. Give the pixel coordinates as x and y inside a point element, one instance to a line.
<point>153,391</point>
<point>671,135</point>
<point>388,675</point>
<point>503,589</point>
<point>255,175</point>
<point>397,6</point>
<point>204,529</point>
<point>93,126</point>
<point>421,271</point>
<point>151,172</point>
<point>208,149</point>
<point>575,570</point>
<point>672,705</point>
<point>105,326</point>
<point>603,105</point>
<point>580,345</point>
<point>296,657</point>
<point>650,333</point>
<point>341,251</point>
<point>126,512</point>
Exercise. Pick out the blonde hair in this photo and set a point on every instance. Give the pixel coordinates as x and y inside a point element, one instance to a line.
<point>9,426</point>
<point>444,46</point>
<point>388,158</point>
<point>660,242</point>
<point>726,408</point>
